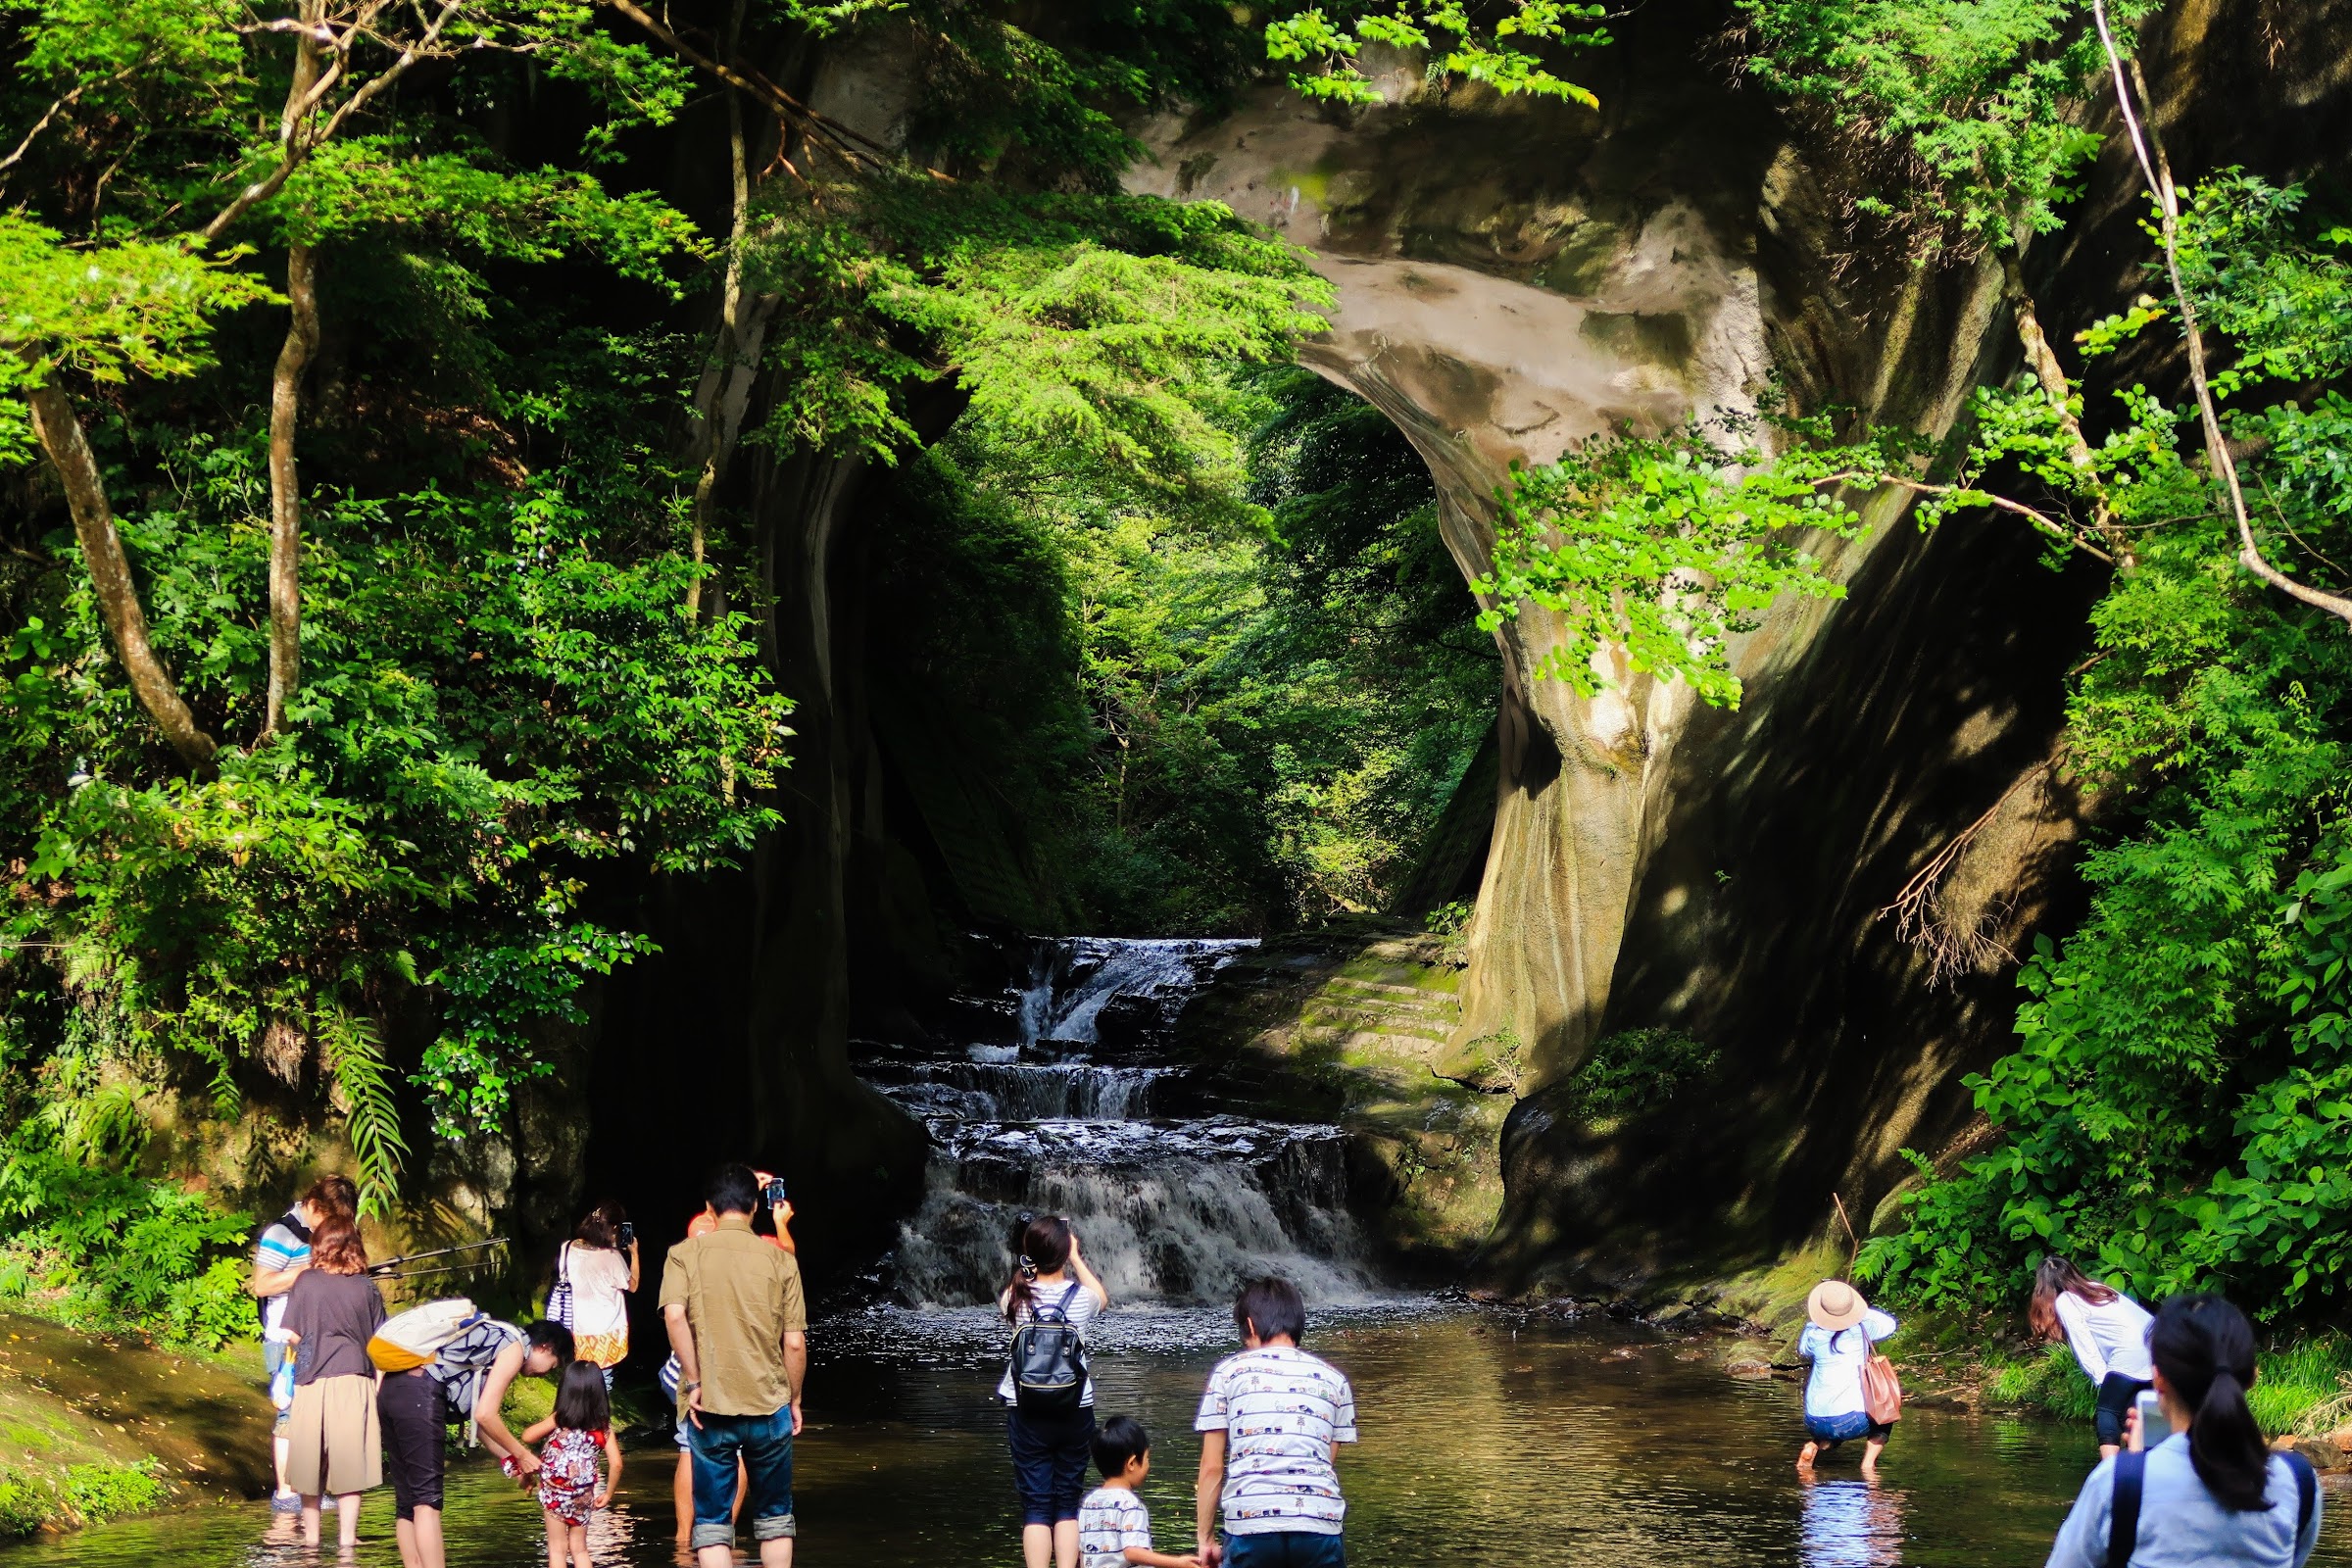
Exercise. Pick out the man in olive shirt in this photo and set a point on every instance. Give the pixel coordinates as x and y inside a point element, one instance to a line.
<point>732,1303</point>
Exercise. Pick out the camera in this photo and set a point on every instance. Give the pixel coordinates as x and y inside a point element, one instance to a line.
<point>628,1234</point>
<point>774,1192</point>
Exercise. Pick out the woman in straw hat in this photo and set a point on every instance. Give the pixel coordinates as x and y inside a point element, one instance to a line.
<point>1841,1328</point>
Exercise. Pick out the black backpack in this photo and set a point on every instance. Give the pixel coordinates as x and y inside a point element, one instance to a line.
<point>1049,1359</point>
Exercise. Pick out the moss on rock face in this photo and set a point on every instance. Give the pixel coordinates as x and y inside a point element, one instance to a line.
<point>93,1427</point>
<point>1350,1023</point>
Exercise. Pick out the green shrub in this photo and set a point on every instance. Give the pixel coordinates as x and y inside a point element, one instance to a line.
<point>97,1493</point>
<point>1638,1067</point>
<point>102,1248</point>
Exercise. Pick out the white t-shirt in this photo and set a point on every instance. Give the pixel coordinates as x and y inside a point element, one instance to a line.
<point>1109,1521</point>
<point>1071,1300</point>
<point>2110,1337</point>
<point>1835,1387</point>
<point>1281,1409</point>
<point>599,1285</point>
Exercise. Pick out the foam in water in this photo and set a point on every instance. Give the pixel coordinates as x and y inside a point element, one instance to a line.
<point>1170,1207</point>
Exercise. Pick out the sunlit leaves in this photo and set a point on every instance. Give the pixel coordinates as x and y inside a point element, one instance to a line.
<point>1452,38</point>
<point>1662,547</point>
<point>1980,100</point>
<point>144,308</point>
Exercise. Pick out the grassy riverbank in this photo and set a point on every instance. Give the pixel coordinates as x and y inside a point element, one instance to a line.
<point>94,1427</point>
<point>2303,1387</point>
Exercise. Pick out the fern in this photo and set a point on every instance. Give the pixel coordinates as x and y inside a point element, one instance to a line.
<point>371,1116</point>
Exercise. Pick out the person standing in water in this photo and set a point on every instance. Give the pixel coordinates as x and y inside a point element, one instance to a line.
<point>1271,1423</point>
<point>2209,1493</point>
<point>2107,1331</point>
<point>1051,1443</point>
<point>1840,1331</point>
<point>740,1330</point>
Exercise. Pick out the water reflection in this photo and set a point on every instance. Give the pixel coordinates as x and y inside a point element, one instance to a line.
<point>1485,1442</point>
<point>1850,1524</point>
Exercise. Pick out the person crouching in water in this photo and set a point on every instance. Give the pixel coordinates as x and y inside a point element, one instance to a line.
<point>1840,1329</point>
<point>2107,1331</point>
<point>576,1435</point>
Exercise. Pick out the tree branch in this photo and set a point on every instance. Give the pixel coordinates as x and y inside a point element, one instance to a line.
<point>59,430</point>
<point>285,492</point>
<point>2159,177</point>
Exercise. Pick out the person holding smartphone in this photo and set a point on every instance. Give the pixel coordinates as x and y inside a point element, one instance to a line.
<point>600,1265</point>
<point>2197,1486</point>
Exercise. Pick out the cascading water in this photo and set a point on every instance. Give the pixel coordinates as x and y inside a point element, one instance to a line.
<point>1075,1109</point>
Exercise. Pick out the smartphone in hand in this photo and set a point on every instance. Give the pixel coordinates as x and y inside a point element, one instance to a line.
<point>2154,1425</point>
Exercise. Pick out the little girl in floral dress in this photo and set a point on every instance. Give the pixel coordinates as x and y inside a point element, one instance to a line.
<point>580,1429</point>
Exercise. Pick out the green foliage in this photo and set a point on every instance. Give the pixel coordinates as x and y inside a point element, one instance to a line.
<point>1658,548</point>
<point>1505,54</point>
<point>1634,1069</point>
<point>502,689</point>
<point>2179,1106</point>
<point>73,1496</point>
<point>1224,706</point>
<point>1072,324</point>
<point>1975,106</point>
<point>100,1248</point>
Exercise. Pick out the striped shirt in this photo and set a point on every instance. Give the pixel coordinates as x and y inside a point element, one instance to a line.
<point>282,1245</point>
<point>462,1365</point>
<point>1109,1521</point>
<point>1281,1410</point>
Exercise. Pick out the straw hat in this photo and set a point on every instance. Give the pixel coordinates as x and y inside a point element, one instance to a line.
<point>1835,1304</point>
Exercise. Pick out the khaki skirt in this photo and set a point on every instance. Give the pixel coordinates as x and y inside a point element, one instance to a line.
<point>335,1444</point>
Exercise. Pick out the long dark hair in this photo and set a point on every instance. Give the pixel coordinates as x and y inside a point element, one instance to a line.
<point>1041,1246</point>
<point>581,1405</point>
<point>2205,1349</point>
<point>2055,1278</point>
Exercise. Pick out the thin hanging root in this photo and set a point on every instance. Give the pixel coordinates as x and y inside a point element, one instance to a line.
<point>1924,920</point>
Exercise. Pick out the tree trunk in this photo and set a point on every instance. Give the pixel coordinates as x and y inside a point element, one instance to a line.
<point>285,491</point>
<point>61,436</point>
<point>731,371</point>
<point>2042,361</point>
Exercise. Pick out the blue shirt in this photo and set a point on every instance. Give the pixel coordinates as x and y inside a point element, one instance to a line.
<point>2181,1525</point>
<point>1836,1385</point>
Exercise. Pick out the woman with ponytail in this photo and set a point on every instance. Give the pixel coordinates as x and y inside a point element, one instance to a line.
<point>1049,1426</point>
<point>2207,1491</point>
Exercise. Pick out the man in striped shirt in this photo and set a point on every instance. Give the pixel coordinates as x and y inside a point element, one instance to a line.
<point>1271,1424</point>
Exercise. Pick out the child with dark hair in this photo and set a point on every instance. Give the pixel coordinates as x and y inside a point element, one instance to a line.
<point>1271,1423</point>
<point>569,1492</point>
<point>1114,1528</point>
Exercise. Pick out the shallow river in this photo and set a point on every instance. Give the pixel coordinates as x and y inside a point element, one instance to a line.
<point>1483,1443</point>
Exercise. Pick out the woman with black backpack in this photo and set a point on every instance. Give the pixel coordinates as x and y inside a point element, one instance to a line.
<point>2204,1489</point>
<point>1050,1301</point>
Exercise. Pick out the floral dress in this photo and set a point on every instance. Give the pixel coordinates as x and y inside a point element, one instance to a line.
<point>567,1473</point>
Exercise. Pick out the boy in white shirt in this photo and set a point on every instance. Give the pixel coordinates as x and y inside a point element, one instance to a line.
<point>1114,1528</point>
<point>1271,1423</point>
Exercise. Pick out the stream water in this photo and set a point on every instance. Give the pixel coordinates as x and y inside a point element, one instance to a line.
<point>1487,1440</point>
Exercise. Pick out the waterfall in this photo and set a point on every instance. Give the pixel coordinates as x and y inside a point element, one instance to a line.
<point>1172,1202</point>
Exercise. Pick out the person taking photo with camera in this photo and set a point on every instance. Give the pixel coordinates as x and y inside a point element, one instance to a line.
<point>595,1273</point>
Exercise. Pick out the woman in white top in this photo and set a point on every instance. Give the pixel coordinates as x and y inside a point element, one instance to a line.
<point>2108,1331</point>
<point>1841,1331</point>
<point>1050,1283</point>
<point>599,1263</point>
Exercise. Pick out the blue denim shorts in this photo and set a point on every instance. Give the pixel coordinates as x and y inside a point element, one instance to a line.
<point>1835,1429</point>
<point>764,1443</point>
<point>1285,1549</point>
